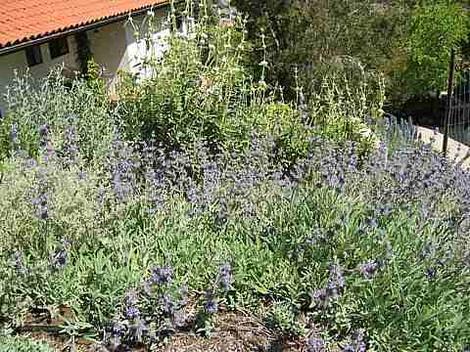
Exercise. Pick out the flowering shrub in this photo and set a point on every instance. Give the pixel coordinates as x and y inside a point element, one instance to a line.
<point>167,224</point>
<point>202,89</point>
<point>76,111</point>
<point>357,244</point>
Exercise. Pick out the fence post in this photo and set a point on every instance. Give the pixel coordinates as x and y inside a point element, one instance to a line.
<point>449,101</point>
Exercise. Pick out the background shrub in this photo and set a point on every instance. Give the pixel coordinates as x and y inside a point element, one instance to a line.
<point>394,38</point>
<point>53,103</point>
<point>437,24</point>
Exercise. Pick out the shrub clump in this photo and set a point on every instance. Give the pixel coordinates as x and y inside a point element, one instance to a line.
<point>223,196</point>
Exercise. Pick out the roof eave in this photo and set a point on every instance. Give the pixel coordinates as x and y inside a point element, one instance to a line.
<point>44,39</point>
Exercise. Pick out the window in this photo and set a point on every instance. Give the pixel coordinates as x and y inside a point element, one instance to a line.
<point>34,55</point>
<point>179,23</point>
<point>58,47</point>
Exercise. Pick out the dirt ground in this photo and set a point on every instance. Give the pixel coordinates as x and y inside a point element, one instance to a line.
<point>235,332</point>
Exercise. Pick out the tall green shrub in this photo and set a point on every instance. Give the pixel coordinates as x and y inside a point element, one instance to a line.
<point>409,42</point>
<point>437,27</point>
<point>310,34</point>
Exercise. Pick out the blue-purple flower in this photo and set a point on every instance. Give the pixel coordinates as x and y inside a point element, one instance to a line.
<point>162,275</point>
<point>225,276</point>
<point>17,261</point>
<point>131,312</point>
<point>43,135</point>
<point>59,259</point>
<point>167,305</point>
<point>211,305</point>
<point>315,344</point>
<point>320,297</point>
<point>368,269</point>
<point>336,281</point>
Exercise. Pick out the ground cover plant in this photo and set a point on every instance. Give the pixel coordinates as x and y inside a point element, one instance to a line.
<point>8,344</point>
<point>207,193</point>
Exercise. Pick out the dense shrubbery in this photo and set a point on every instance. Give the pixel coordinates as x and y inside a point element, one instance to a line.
<point>68,110</point>
<point>376,245</point>
<point>206,191</point>
<point>409,42</point>
<point>8,344</point>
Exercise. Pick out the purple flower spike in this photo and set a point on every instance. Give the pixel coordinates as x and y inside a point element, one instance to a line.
<point>118,329</point>
<point>167,304</point>
<point>211,305</point>
<point>320,296</point>
<point>316,345</point>
<point>132,312</point>
<point>225,276</point>
<point>368,269</point>
<point>336,281</point>
<point>44,134</point>
<point>18,262</point>
<point>162,276</point>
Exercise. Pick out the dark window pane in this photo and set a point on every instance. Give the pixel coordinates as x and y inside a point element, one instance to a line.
<point>34,55</point>
<point>179,23</point>
<point>58,47</point>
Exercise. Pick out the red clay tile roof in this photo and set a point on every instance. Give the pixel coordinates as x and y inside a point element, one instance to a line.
<point>25,20</point>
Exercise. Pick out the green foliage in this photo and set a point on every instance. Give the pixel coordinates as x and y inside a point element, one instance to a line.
<point>409,42</point>
<point>22,344</point>
<point>202,89</point>
<point>437,27</point>
<point>296,195</point>
<point>282,319</point>
<point>56,103</point>
<point>192,92</point>
<point>346,102</point>
<point>311,34</point>
<point>283,254</point>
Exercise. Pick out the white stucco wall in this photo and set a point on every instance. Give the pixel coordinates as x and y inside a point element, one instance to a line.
<point>17,62</point>
<point>142,32</point>
<point>108,47</point>
<point>115,47</point>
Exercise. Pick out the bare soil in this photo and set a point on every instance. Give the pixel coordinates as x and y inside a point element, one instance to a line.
<point>234,332</point>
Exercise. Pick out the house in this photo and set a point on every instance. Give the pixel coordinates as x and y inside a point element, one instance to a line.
<point>36,35</point>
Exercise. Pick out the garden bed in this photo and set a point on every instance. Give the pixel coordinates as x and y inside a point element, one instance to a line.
<point>204,212</point>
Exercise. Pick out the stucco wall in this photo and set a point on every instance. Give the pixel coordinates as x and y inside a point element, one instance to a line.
<point>17,61</point>
<point>115,46</point>
<point>137,47</point>
<point>108,47</point>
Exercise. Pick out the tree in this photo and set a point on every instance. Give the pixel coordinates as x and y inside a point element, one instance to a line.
<point>437,27</point>
<point>409,41</point>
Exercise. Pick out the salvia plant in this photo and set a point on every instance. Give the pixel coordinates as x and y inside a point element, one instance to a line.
<point>201,190</point>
